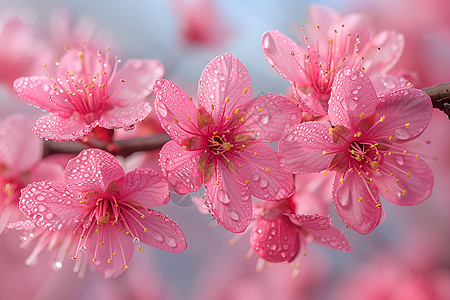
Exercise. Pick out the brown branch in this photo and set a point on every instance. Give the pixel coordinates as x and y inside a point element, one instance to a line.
<point>440,97</point>
<point>123,147</point>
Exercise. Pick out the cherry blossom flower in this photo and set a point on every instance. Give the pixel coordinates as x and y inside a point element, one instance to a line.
<point>107,208</point>
<point>335,43</point>
<point>364,146</point>
<point>20,162</point>
<point>279,234</point>
<point>86,91</point>
<point>219,141</point>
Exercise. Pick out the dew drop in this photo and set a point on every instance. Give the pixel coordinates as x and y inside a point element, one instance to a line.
<point>223,197</point>
<point>40,197</point>
<point>263,183</point>
<point>233,215</point>
<point>136,240</point>
<point>399,160</point>
<point>170,241</point>
<point>255,177</point>
<point>83,249</point>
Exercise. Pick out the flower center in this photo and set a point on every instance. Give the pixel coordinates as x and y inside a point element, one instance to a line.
<point>365,156</point>
<point>218,144</point>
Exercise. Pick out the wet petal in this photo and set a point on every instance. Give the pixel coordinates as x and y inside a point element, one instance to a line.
<point>145,186</point>
<point>51,204</point>
<point>125,113</point>
<point>310,222</point>
<point>92,170</point>
<point>139,76</point>
<point>174,109</point>
<point>266,180</point>
<point>159,231</point>
<point>406,113</point>
<point>39,91</point>
<point>352,97</point>
<point>275,240</point>
<point>285,56</point>
<point>180,167</point>
<point>307,148</point>
<point>59,128</point>
<point>270,115</point>
<point>356,201</point>
<point>331,237</point>
<point>225,76</point>
<point>411,181</point>
<point>228,200</point>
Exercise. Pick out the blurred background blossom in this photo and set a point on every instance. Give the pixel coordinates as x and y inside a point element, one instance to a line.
<point>407,257</point>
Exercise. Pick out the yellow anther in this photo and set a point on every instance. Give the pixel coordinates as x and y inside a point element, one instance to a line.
<point>417,156</point>
<point>254,153</point>
<point>361,115</point>
<point>139,248</point>
<point>184,147</point>
<point>378,205</point>
<point>403,192</point>
<point>80,55</point>
<point>375,165</point>
<point>82,202</point>
<point>330,130</point>
<point>145,230</point>
<point>217,182</point>
<point>237,110</point>
<point>190,98</point>
<point>267,170</point>
<point>292,53</point>
<point>404,151</point>
<point>385,191</point>
<point>324,172</point>
<point>409,174</point>
<point>94,259</point>
<point>398,181</point>
<point>389,153</point>
<point>175,120</point>
<point>358,134</point>
<point>382,118</point>
<point>142,217</point>
<point>324,152</point>
<point>240,166</point>
<point>114,254</point>
<point>73,258</point>
<point>260,109</point>
<point>212,106</point>
<point>227,99</point>
<point>360,199</point>
<point>407,125</point>
<point>109,260</point>
<point>126,267</point>
<point>101,243</point>
<point>227,117</point>
<point>245,90</point>
<point>247,181</point>
<point>341,180</point>
<point>242,119</point>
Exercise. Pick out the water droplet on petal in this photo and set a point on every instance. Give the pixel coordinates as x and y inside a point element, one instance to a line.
<point>223,197</point>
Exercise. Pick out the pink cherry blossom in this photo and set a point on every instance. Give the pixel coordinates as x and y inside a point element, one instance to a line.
<point>20,162</point>
<point>279,234</point>
<point>336,42</point>
<point>86,91</point>
<point>106,208</point>
<point>219,141</point>
<point>364,146</point>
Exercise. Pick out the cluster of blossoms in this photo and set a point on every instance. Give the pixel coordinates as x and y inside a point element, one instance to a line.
<point>361,115</point>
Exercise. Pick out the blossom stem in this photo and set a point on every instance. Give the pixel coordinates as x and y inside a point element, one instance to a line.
<point>440,97</point>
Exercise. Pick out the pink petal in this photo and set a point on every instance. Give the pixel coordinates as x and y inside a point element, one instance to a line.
<point>314,102</point>
<point>381,61</point>
<point>228,201</point>
<point>114,242</point>
<point>270,115</point>
<point>180,167</point>
<point>356,202</point>
<point>407,113</point>
<point>37,90</point>
<point>312,193</point>
<point>388,83</point>
<point>331,237</point>
<point>20,147</point>
<point>47,170</point>
<point>145,186</point>
<point>266,180</point>
<point>174,107</point>
<point>278,50</point>
<point>92,170</point>
<point>301,149</point>
<point>275,240</point>
<point>310,222</point>
<point>139,76</point>
<point>58,128</point>
<point>125,113</point>
<point>163,233</point>
<point>51,204</point>
<point>225,76</point>
<point>415,179</point>
<point>356,25</point>
<point>352,97</point>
